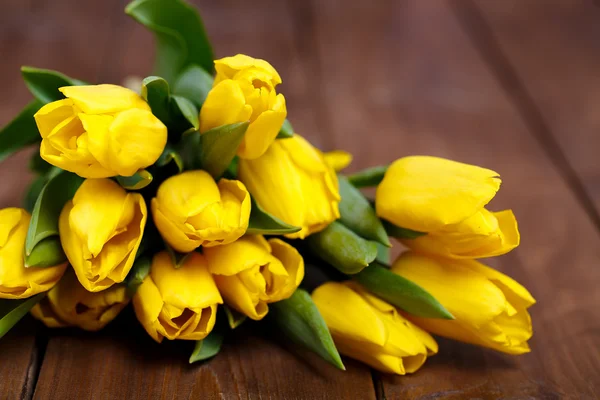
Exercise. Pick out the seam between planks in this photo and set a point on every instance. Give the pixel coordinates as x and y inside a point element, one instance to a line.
<point>482,37</point>
<point>378,385</point>
<point>35,364</point>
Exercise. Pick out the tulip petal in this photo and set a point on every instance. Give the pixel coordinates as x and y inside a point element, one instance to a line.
<point>425,193</point>
<point>338,159</point>
<point>238,256</point>
<point>148,304</point>
<point>190,286</point>
<point>16,281</point>
<point>225,104</point>
<point>136,140</point>
<point>263,131</point>
<point>484,302</point>
<point>52,114</point>
<point>348,315</point>
<point>103,99</point>
<point>229,66</point>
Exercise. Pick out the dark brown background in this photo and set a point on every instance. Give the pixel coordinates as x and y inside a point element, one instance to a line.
<point>512,85</point>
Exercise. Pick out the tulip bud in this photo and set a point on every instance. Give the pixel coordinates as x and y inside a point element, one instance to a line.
<point>191,210</point>
<point>16,281</point>
<point>292,182</point>
<point>446,200</point>
<point>490,309</point>
<point>101,230</point>
<point>252,272</point>
<point>372,331</point>
<point>100,131</point>
<point>177,303</point>
<point>70,304</point>
<point>244,90</point>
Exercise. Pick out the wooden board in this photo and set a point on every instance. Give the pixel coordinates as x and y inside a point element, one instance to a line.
<point>36,33</point>
<point>422,88</point>
<point>552,49</point>
<point>382,80</point>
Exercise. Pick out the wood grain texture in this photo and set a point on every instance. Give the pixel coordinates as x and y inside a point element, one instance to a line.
<point>381,79</point>
<point>37,33</point>
<point>553,58</point>
<point>123,362</point>
<point>426,90</point>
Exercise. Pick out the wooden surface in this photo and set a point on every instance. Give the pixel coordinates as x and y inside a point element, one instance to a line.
<point>511,85</point>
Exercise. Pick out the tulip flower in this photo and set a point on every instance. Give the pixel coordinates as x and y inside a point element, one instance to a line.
<point>70,304</point>
<point>177,303</point>
<point>101,230</point>
<point>252,272</point>
<point>446,200</point>
<point>191,210</point>
<point>244,90</point>
<point>368,329</point>
<point>490,309</point>
<point>100,131</point>
<point>17,281</point>
<point>293,182</point>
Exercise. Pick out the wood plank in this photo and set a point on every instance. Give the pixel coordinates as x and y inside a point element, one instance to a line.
<point>123,362</point>
<point>552,58</point>
<point>250,366</point>
<point>36,33</point>
<point>407,80</point>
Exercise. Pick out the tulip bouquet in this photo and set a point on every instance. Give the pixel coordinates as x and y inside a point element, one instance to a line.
<point>193,198</point>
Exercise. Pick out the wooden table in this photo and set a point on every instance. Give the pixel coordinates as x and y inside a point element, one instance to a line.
<point>513,85</point>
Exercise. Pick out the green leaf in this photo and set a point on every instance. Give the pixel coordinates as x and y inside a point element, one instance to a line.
<point>300,321</point>
<point>342,248</point>
<point>179,32</point>
<point>139,271</point>
<point>44,219</point>
<point>187,109</point>
<point>38,165</point>
<point>194,83</point>
<point>401,292</point>
<point>44,83</point>
<point>383,254</point>
<point>287,131</point>
<point>47,253</point>
<point>357,214</point>
<point>168,156</point>
<point>368,177</point>
<point>11,311</point>
<point>137,181</point>
<point>33,192</point>
<point>263,223</point>
<point>177,258</point>
<point>234,317</point>
<point>401,233</point>
<point>176,112</point>
<point>218,147</point>
<point>20,132</point>
<point>208,347</point>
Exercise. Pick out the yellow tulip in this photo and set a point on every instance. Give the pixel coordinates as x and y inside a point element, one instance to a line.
<point>70,304</point>
<point>490,308</point>
<point>177,303</point>
<point>16,281</point>
<point>293,182</point>
<point>446,199</point>
<point>252,272</point>
<point>101,230</point>
<point>191,210</point>
<point>368,329</point>
<point>100,131</point>
<point>338,159</point>
<point>244,90</point>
